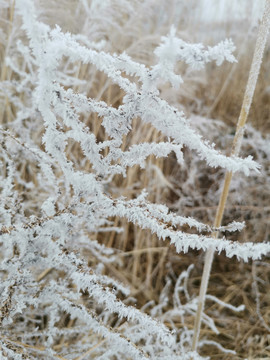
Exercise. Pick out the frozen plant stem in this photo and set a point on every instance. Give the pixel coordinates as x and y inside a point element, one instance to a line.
<point>251,84</point>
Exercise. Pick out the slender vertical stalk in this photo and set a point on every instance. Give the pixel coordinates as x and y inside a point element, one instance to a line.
<point>250,88</point>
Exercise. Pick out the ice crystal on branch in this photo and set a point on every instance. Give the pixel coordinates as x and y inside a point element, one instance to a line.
<point>173,50</point>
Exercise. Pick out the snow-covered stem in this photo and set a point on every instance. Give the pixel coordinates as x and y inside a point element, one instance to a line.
<point>249,92</point>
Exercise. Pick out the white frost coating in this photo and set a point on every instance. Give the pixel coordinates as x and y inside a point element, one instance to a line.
<point>173,50</point>
<point>226,305</point>
<point>234,226</point>
<point>146,103</point>
<point>217,345</point>
<point>258,55</point>
<point>159,223</point>
<point>49,206</point>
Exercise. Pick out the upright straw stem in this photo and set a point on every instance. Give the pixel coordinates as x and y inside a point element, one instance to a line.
<point>249,92</point>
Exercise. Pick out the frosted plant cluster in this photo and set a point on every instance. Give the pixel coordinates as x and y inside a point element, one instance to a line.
<point>73,204</point>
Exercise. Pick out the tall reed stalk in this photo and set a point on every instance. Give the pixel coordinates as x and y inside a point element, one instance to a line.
<point>249,92</point>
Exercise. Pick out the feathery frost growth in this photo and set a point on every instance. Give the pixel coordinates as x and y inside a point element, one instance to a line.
<point>75,201</point>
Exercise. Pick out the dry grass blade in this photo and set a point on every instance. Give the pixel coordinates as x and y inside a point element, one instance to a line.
<point>250,88</point>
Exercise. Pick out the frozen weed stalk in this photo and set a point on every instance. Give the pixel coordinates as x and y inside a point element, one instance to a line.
<point>57,300</point>
<point>250,88</point>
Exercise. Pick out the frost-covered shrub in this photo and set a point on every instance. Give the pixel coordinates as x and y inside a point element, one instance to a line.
<point>53,289</point>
